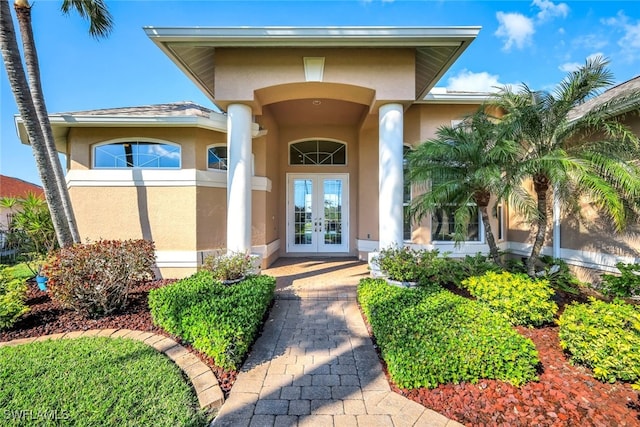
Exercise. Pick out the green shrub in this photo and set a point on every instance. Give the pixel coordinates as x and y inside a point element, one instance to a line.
<point>557,272</point>
<point>221,321</point>
<point>604,337</point>
<point>399,263</point>
<point>517,297</point>
<point>431,337</point>
<point>233,266</point>
<point>626,285</point>
<point>13,293</point>
<point>95,278</point>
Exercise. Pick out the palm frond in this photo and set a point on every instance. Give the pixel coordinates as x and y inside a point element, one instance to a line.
<point>96,11</point>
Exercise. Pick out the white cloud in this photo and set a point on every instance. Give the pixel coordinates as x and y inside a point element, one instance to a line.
<point>630,40</point>
<point>515,28</point>
<point>569,67</point>
<point>549,10</point>
<point>468,81</point>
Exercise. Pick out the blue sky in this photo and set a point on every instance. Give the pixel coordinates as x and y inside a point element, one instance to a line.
<point>535,42</point>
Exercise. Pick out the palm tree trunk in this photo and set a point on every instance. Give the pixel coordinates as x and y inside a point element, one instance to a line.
<point>20,88</point>
<point>488,232</point>
<point>541,187</point>
<point>23,12</point>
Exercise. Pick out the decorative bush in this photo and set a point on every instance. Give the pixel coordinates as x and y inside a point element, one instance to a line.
<point>401,264</point>
<point>221,321</point>
<point>95,278</point>
<point>626,285</point>
<point>557,272</point>
<point>431,337</point>
<point>12,299</point>
<point>604,337</point>
<point>226,267</point>
<point>517,297</point>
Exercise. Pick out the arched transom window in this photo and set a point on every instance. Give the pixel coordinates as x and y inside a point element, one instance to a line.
<point>317,152</point>
<point>137,154</point>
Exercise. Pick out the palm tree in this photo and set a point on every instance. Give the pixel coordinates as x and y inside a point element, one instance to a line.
<point>464,166</point>
<point>22,93</point>
<point>100,26</point>
<point>574,156</point>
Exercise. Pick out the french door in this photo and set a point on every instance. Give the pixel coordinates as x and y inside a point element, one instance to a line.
<point>317,213</point>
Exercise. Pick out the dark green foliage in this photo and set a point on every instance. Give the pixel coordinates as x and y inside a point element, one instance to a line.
<point>517,297</point>
<point>13,293</point>
<point>401,264</point>
<point>557,272</point>
<point>431,337</point>
<point>604,337</point>
<point>221,321</point>
<point>626,285</point>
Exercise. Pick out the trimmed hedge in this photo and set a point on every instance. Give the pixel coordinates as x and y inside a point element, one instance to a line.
<point>432,337</point>
<point>221,321</point>
<point>521,300</point>
<point>604,337</point>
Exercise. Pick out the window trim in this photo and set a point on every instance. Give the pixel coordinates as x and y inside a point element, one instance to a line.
<point>134,140</point>
<point>346,152</point>
<point>220,144</point>
<point>411,194</point>
<point>481,235</point>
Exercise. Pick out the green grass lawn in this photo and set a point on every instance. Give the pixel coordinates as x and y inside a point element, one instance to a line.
<point>93,382</point>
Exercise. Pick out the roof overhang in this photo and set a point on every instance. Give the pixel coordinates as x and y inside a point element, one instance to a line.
<point>62,123</point>
<point>192,49</point>
<point>442,96</point>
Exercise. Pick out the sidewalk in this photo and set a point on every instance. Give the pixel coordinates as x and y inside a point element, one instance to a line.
<point>314,364</point>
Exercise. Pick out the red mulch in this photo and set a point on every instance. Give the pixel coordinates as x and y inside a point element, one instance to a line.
<point>566,395</point>
<point>47,317</point>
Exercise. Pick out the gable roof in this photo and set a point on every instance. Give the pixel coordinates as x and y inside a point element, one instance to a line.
<point>15,187</point>
<point>629,89</point>
<point>193,49</point>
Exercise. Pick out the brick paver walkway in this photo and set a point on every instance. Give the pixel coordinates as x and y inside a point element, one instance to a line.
<point>314,364</point>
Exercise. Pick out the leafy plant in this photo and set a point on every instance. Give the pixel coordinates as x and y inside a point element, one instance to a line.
<point>13,293</point>
<point>604,337</point>
<point>557,272</point>
<point>30,230</point>
<point>516,297</point>
<point>431,336</point>
<point>95,278</point>
<point>626,285</point>
<point>221,321</point>
<point>231,266</point>
<point>400,263</point>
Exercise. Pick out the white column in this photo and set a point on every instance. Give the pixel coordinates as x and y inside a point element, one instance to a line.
<point>239,178</point>
<point>390,175</point>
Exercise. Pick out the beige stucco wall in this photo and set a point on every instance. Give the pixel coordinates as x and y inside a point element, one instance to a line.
<point>239,72</point>
<point>166,215</point>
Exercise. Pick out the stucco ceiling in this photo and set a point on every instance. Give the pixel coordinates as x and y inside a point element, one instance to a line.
<point>304,112</point>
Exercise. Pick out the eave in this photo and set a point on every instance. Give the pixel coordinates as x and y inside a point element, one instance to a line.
<point>62,123</point>
<point>192,49</point>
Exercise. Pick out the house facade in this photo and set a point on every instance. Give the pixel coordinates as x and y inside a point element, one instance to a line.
<point>303,157</point>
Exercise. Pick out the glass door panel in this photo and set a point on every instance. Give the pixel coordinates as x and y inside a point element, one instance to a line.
<point>317,213</point>
<point>303,233</point>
